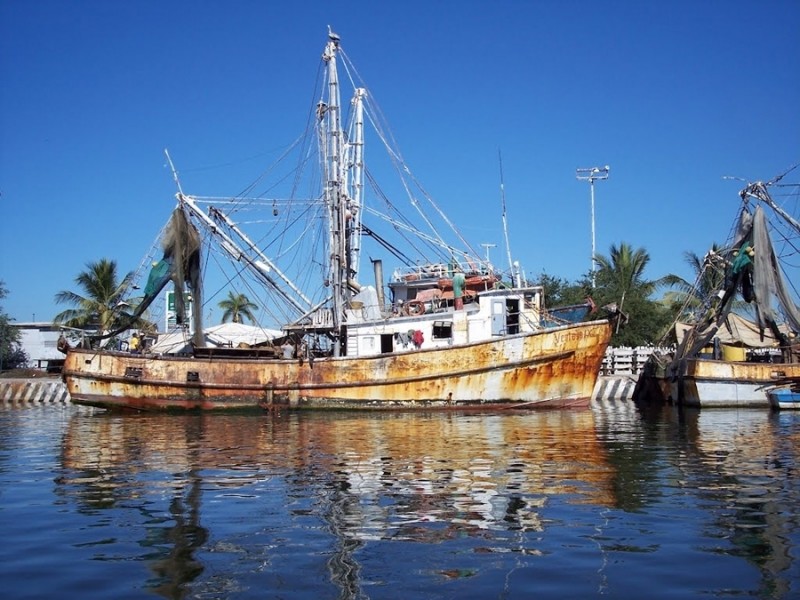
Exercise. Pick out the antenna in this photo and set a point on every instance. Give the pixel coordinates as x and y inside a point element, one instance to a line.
<point>514,273</point>
<point>487,247</point>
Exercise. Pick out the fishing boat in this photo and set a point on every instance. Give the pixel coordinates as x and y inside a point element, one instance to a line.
<point>723,358</point>
<point>785,397</point>
<point>448,330</point>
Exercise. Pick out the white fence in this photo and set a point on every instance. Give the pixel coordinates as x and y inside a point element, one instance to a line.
<point>626,361</point>
<point>619,373</point>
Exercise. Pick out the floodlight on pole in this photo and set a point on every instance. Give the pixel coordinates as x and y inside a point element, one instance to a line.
<point>591,175</point>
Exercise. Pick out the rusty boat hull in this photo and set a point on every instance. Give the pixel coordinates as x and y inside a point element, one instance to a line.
<point>707,383</point>
<point>550,368</point>
<point>712,383</point>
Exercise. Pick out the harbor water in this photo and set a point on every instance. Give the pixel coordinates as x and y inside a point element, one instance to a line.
<point>606,501</point>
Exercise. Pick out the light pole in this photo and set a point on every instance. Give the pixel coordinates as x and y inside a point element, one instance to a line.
<point>487,247</point>
<point>591,174</point>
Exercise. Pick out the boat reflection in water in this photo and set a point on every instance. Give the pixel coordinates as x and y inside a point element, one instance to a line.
<point>409,477</point>
<point>303,504</point>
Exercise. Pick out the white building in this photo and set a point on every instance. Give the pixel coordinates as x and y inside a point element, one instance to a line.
<point>39,341</point>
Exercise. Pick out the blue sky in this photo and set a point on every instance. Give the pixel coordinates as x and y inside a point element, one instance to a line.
<point>672,95</point>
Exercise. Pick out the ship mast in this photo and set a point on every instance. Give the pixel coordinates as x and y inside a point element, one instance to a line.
<point>356,162</point>
<point>335,192</point>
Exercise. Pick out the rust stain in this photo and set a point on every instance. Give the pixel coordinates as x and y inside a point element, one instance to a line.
<point>553,368</point>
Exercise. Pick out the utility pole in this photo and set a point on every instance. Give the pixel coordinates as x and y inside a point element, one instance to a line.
<point>591,174</point>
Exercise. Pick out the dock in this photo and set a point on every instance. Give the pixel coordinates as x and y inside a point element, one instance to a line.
<point>33,390</point>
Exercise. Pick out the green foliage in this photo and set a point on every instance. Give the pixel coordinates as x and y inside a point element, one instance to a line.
<point>237,307</point>
<point>648,320</point>
<point>11,354</point>
<point>686,299</point>
<point>623,270</point>
<point>619,280</point>
<point>101,303</point>
<point>559,292</point>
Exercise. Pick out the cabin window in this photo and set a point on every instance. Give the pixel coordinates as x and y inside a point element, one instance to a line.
<point>192,376</point>
<point>387,343</point>
<point>442,330</point>
<point>512,316</point>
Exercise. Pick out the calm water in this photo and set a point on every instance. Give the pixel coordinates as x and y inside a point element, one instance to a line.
<point>605,501</point>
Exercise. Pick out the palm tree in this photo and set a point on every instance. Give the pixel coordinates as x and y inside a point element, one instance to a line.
<point>621,281</point>
<point>709,277</point>
<point>623,270</point>
<point>101,299</point>
<point>236,307</point>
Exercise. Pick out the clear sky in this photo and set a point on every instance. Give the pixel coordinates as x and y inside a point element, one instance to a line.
<point>673,96</point>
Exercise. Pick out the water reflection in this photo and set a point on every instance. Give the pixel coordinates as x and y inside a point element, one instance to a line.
<point>743,463</point>
<point>738,465</point>
<point>263,492</point>
<point>412,477</point>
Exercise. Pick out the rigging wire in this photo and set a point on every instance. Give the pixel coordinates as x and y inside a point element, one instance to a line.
<point>375,116</point>
<point>298,224</point>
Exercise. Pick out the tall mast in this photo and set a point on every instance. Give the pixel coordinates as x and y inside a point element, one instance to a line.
<point>356,146</point>
<point>334,192</point>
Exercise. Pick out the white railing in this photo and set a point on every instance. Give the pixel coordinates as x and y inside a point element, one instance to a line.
<point>627,361</point>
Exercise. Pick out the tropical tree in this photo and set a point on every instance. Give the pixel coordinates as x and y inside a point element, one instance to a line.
<point>236,307</point>
<point>11,354</point>
<point>623,270</point>
<point>686,298</point>
<point>99,304</point>
<point>621,280</point>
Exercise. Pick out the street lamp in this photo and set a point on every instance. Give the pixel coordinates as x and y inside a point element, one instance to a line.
<point>591,174</point>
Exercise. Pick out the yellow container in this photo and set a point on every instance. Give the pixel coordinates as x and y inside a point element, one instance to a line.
<point>733,353</point>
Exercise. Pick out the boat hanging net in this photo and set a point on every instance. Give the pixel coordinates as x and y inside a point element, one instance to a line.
<point>182,249</point>
<point>755,272</point>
